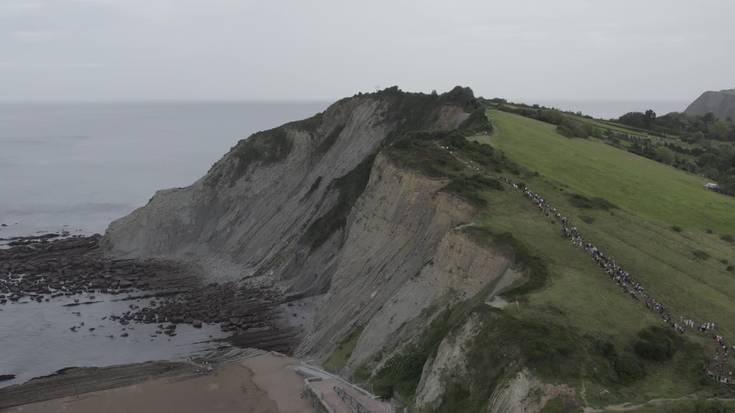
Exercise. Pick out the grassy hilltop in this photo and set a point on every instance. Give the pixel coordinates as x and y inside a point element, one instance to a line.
<point>664,228</point>
<point>655,191</point>
<point>569,323</point>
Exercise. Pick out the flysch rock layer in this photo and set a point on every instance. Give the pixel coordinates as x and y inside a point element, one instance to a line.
<point>317,210</point>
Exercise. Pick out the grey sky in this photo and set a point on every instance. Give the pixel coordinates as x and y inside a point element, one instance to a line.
<point>278,50</point>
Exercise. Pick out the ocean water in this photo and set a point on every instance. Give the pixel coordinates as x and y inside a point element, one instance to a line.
<point>78,166</point>
<point>37,338</point>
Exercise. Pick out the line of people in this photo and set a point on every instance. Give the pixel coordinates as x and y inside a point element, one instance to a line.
<point>718,369</point>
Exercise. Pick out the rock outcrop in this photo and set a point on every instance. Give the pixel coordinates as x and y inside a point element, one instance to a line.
<point>319,211</point>
<point>721,104</point>
<point>313,208</point>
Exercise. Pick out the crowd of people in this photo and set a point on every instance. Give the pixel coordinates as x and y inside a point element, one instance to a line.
<point>718,369</point>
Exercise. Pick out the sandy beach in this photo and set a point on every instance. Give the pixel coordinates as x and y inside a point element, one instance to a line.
<point>264,383</point>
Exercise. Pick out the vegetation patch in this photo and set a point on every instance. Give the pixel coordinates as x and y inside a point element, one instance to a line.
<point>262,148</point>
<point>425,156</point>
<point>534,267</point>
<point>657,344</point>
<point>505,343</point>
<point>575,129</point>
<point>634,184</point>
<point>561,405</point>
<point>402,372</point>
<point>583,202</point>
<point>350,187</point>
<point>687,406</point>
<point>551,351</point>
<point>412,112</point>
<point>587,219</point>
<point>700,255</point>
<point>329,140</point>
<point>566,125</point>
<point>477,122</point>
<point>469,188</point>
<point>342,353</point>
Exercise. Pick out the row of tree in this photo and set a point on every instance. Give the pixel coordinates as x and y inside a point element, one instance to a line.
<point>717,163</point>
<point>692,128</point>
<point>698,153</point>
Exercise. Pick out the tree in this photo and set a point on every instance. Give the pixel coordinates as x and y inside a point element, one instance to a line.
<point>665,155</point>
<point>719,129</point>
<point>649,117</point>
<point>727,184</point>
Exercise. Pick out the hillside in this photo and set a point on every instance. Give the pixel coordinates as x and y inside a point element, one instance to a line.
<point>396,228</point>
<point>721,104</point>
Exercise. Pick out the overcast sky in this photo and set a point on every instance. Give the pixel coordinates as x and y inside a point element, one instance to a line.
<point>313,50</point>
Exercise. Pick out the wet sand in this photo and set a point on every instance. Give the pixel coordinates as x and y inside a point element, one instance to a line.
<point>263,383</point>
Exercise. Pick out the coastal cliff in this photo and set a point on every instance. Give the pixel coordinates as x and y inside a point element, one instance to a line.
<point>720,103</point>
<point>350,218</point>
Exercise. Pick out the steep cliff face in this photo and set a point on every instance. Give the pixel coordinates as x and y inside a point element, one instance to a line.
<point>322,212</point>
<point>404,252</point>
<point>277,203</point>
<point>721,104</point>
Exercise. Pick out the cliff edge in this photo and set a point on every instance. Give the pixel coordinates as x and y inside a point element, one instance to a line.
<point>721,104</point>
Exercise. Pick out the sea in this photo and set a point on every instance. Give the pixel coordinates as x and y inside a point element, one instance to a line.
<point>77,166</point>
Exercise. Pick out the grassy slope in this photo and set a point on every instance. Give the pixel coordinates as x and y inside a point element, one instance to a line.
<point>639,235</point>
<point>653,190</point>
<point>578,297</point>
<point>342,353</point>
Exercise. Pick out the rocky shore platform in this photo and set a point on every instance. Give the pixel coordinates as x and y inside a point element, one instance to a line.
<point>76,381</point>
<point>163,293</point>
<point>245,380</point>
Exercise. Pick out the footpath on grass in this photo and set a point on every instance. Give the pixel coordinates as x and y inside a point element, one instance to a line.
<point>718,368</point>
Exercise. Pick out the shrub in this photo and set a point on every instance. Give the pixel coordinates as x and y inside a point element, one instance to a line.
<point>629,368</point>
<point>533,266</point>
<point>350,186</point>
<point>400,374</point>
<point>468,187</point>
<point>574,129</point>
<point>587,219</point>
<point>656,344</point>
<point>700,255</point>
<point>583,202</point>
<point>262,148</point>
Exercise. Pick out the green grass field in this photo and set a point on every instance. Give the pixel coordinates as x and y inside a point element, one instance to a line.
<point>663,227</point>
<point>652,198</point>
<point>650,189</point>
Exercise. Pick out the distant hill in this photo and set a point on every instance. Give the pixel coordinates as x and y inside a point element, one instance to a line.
<point>721,103</point>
